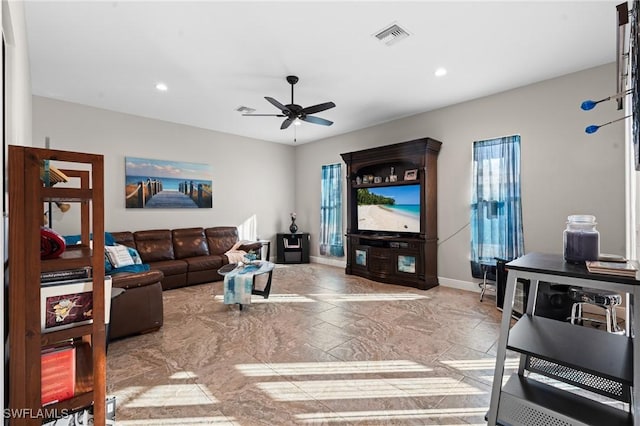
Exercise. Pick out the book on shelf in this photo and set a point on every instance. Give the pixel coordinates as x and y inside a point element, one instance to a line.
<point>58,376</point>
<point>64,275</point>
<point>84,416</point>
<point>623,269</point>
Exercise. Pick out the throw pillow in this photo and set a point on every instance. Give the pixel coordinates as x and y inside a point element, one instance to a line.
<point>137,260</point>
<point>119,255</point>
<point>107,264</point>
<point>75,239</point>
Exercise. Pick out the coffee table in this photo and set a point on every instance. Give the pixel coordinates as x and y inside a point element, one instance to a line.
<point>240,281</point>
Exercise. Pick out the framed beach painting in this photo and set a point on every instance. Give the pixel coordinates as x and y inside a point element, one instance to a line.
<point>165,184</point>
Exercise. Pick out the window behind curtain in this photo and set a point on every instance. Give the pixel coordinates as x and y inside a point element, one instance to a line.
<point>331,211</point>
<point>496,210</point>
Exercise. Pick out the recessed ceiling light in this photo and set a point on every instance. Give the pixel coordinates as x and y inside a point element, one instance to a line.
<point>162,87</point>
<point>441,72</point>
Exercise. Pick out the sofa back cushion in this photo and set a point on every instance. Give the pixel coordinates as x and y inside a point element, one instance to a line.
<point>125,238</point>
<point>221,238</point>
<point>154,245</point>
<point>189,242</point>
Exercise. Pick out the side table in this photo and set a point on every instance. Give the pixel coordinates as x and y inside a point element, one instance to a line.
<point>267,244</point>
<point>293,248</point>
<point>594,360</point>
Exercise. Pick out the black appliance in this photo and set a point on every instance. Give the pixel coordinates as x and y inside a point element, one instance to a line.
<point>552,302</point>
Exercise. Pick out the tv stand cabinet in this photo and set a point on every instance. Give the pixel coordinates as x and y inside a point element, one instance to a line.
<point>389,259</point>
<point>402,258</point>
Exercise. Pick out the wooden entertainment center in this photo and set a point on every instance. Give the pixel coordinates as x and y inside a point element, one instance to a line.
<point>394,254</point>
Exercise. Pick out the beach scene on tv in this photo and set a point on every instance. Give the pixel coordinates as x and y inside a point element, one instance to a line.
<point>389,209</point>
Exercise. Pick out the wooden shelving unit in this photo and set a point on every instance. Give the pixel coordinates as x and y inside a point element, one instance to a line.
<point>29,189</point>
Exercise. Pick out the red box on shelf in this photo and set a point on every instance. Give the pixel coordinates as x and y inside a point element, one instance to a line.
<point>58,377</point>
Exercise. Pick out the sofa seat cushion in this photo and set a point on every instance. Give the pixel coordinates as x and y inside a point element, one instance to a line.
<point>170,267</point>
<point>136,279</point>
<point>202,263</point>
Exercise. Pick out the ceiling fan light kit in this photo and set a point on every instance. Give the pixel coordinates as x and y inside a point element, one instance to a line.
<point>294,112</point>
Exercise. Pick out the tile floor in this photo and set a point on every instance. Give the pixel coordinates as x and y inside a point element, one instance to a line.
<point>325,348</point>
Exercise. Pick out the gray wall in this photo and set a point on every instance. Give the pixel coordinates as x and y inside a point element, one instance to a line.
<point>17,126</point>
<point>250,177</point>
<point>564,170</point>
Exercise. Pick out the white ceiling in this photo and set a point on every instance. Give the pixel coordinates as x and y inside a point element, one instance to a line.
<point>216,56</point>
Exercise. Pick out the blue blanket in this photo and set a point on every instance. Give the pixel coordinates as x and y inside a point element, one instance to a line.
<point>238,285</point>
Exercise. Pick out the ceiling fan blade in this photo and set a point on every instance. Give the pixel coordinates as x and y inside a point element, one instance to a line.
<point>317,108</point>
<point>286,123</point>
<point>265,115</point>
<point>277,104</point>
<point>317,120</point>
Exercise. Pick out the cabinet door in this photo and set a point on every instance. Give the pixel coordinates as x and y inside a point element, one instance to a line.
<point>407,263</point>
<point>361,259</point>
<point>381,261</point>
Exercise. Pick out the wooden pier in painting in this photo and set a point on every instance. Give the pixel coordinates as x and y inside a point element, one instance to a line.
<point>151,194</point>
<point>171,200</point>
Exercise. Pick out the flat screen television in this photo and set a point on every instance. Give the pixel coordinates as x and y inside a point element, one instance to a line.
<point>389,209</point>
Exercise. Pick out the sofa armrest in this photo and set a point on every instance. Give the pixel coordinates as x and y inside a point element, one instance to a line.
<point>255,246</point>
<point>136,279</point>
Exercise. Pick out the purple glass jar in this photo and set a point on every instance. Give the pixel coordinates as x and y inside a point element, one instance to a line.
<point>581,239</point>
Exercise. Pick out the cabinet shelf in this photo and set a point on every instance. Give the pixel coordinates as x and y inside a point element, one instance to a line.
<point>386,237</point>
<point>66,334</point>
<point>384,184</point>
<point>582,348</point>
<point>79,401</point>
<point>66,194</point>
<point>73,257</point>
<point>527,401</point>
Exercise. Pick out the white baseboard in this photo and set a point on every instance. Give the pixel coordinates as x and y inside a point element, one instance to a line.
<point>339,263</point>
<point>459,284</point>
<point>445,282</point>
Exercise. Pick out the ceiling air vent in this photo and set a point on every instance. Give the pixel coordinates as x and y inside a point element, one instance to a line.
<point>392,34</point>
<point>245,110</point>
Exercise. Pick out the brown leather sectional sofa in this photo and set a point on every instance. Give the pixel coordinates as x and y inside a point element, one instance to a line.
<point>178,258</point>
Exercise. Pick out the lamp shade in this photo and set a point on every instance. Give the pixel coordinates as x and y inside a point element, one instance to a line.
<point>64,207</point>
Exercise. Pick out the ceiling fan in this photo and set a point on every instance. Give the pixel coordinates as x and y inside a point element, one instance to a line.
<point>293,111</point>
